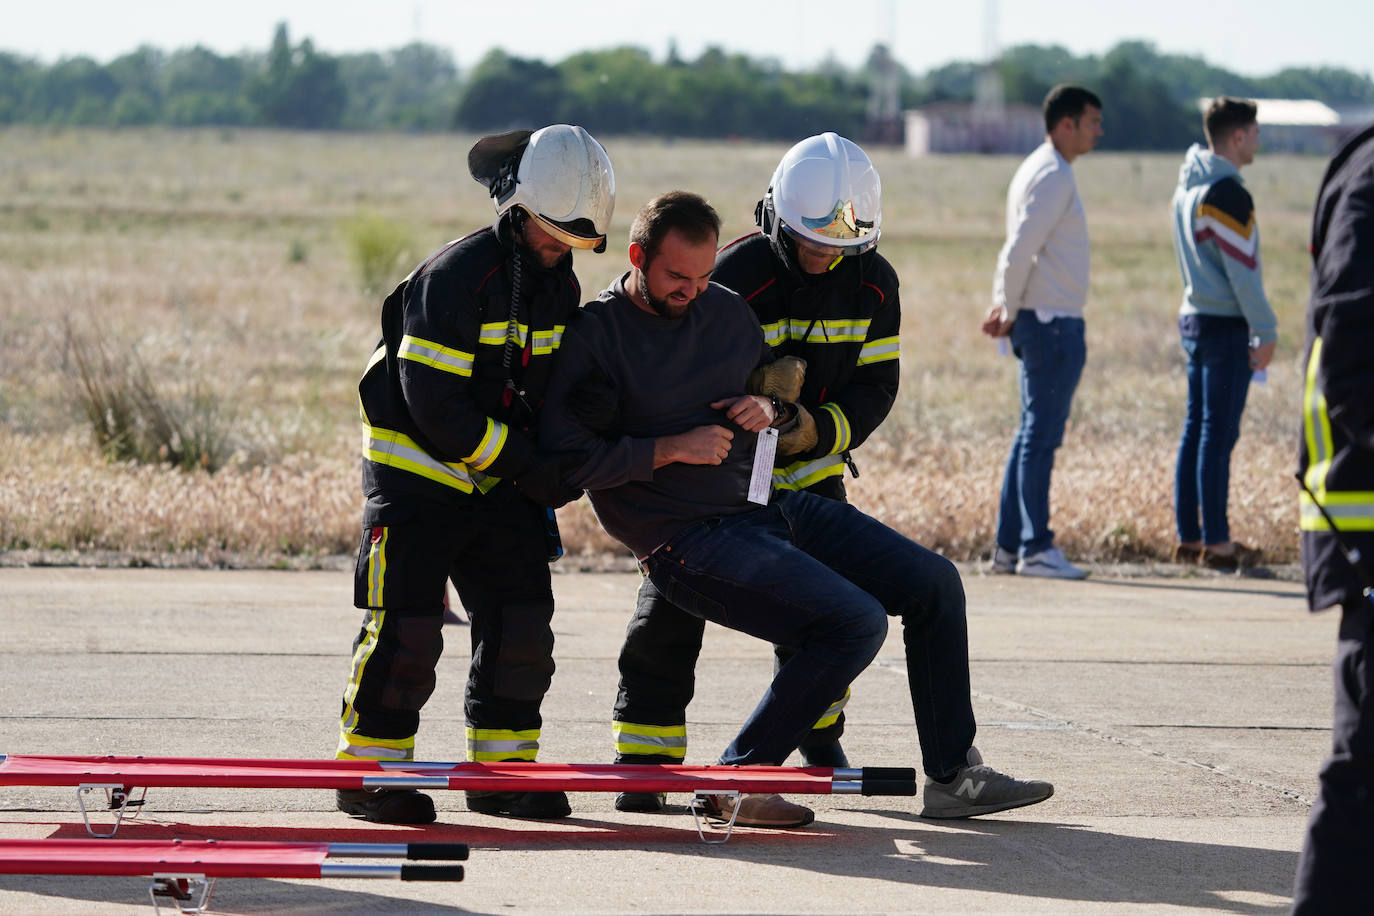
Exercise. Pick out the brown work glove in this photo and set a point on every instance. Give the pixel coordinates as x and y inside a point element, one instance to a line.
<point>781,379</point>
<point>801,437</point>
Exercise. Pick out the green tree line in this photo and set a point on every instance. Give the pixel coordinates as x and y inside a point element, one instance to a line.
<point>1150,96</point>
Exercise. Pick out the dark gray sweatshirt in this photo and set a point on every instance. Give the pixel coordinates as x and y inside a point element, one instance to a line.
<point>667,372</point>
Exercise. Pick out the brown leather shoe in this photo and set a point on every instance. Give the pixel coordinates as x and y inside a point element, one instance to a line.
<point>1186,554</point>
<point>758,811</point>
<point>1242,557</point>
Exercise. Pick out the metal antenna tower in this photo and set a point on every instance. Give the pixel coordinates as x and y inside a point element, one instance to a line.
<point>988,95</point>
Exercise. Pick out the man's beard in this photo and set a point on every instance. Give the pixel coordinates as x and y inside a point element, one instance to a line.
<point>662,307</point>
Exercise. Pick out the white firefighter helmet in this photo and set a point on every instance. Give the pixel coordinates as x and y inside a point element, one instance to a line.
<point>559,175</point>
<point>825,192</point>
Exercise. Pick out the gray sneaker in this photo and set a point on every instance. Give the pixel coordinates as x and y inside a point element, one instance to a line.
<point>758,810</point>
<point>1003,561</point>
<point>1049,564</point>
<point>978,789</point>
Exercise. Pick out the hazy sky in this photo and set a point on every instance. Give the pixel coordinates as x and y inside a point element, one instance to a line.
<point>1252,37</point>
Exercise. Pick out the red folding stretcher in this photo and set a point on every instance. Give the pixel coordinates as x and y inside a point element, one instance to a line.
<point>184,871</point>
<point>119,776</point>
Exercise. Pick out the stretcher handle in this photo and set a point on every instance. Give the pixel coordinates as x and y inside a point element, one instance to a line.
<point>888,781</point>
<point>450,851</point>
<point>431,873</point>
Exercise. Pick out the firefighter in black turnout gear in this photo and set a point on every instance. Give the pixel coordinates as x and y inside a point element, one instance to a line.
<point>829,308</point>
<point>1336,466</point>
<point>456,489</point>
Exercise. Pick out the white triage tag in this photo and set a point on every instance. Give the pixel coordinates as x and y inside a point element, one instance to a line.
<point>761,481</point>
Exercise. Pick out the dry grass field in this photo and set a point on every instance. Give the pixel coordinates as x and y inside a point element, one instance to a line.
<point>220,261</point>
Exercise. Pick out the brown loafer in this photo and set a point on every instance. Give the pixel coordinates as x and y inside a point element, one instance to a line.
<point>1186,554</point>
<point>1242,557</point>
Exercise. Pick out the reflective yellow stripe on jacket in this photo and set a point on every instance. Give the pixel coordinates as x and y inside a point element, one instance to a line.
<point>878,351</point>
<point>1353,510</point>
<point>493,333</point>
<point>397,450</point>
<point>822,330</point>
<point>661,740</point>
<point>438,356</point>
<point>802,474</point>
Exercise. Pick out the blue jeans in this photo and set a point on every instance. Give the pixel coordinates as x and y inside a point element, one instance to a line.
<point>821,578</point>
<point>1052,357</point>
<point>1218,379</point>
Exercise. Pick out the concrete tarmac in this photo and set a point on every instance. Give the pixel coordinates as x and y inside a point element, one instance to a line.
<point>1182,721</point>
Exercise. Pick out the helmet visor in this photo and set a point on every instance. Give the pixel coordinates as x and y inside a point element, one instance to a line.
<point>841,223</point>
<point>579,233</point>
<point>852,245</point>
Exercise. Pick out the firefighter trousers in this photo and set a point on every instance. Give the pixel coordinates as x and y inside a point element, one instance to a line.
<point>496,557</point>
<point>658,676</point>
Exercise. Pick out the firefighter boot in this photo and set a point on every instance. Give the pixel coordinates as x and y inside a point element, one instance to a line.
<point>825,755</point>
<point>387,806</point>
<point>533,805</point>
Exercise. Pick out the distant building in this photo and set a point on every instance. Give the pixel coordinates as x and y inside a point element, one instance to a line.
<point>953,127</point>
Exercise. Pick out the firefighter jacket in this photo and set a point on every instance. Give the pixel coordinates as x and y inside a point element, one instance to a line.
<point>447,404</point>
<point>1336,455</point>
<point>845,324</point>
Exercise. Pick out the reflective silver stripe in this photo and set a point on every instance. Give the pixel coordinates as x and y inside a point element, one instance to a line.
<point>375,752</point>
<point>546,342</point>
<point>832,714</point>
<point>491,744</point>
<point>822,330</point>
<point>804,474</point>
<point>510,746</point>
<point>843,434</point>
<point>429,353</point>
<point>376,570</point>
<point>880,350</point>
<point>1316,424</point>
<point>489,447</point>
<point>661,740</point>
<point>494,333</point>
<point>774,334</point>
<point>1352,511</point>
<point>378,355</point>
<point>398,450</point>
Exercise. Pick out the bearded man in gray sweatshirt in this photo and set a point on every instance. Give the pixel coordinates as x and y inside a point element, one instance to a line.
<point>649,404</point>
<point>1039,290</point>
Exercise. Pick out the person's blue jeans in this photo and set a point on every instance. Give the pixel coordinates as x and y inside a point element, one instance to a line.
<point>1218,352</point>
<point>820,577</point>
<point>1052,356</point>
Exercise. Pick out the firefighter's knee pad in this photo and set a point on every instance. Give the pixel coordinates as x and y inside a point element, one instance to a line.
<point>412,645</point>
<point>524,664</point>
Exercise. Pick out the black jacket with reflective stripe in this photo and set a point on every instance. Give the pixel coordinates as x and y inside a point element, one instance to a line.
<point>1336,454</point>
<point>815,319</point>
<point>438,421</point>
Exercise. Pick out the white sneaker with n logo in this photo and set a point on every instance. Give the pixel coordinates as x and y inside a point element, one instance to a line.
<point>979,789</point>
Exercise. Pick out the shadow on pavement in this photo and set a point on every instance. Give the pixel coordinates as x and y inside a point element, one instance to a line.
<point>1016,858</point>
<point>1198,585</point>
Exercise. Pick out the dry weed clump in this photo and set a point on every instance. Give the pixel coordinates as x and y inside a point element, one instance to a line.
<point>1111,498</point>
<point>303,504</point>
